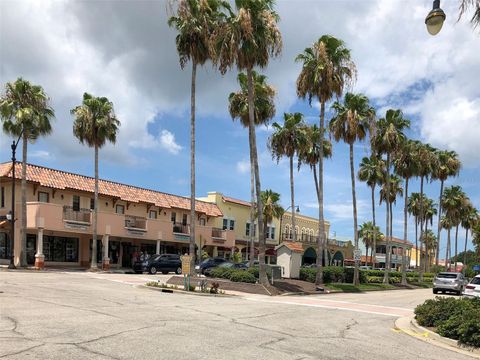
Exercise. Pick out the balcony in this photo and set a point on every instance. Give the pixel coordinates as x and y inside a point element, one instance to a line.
<point>219,234</point>
<point>77,216</point>
<point>181,228</point>
<point>135,222</point>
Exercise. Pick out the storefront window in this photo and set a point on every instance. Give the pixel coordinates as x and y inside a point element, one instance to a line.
<point>60,249</point>
<point>4,246</point>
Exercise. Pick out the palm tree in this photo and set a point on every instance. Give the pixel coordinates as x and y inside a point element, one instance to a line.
<point>447,224</point>
<point>429,211</point>
<point>430,241</point>
<point>327,69</point>
<point>413,208</point>
<point>195,22</point>
<point>466,5</point>
<point>351,123</point>
<point>453,200</point>
<point>405,165</point>
<point>264,112</point>
<point>476,236</point>
<point>26,114</point>
<point>387,140</point>
<point>470,218</point>
<point>447,165</point>
<point>371,171</point>
<point>288,140</point>
<point>271,206</point>
<point>369,233</point>
<point>249,39</point>
<point>95,123</point>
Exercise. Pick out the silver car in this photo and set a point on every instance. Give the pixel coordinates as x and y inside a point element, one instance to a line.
<point>473,287</point>
<point>449,281</point>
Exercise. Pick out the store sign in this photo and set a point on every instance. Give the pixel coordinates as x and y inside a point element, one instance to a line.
<point>135,232</point>
<point>186,261</point>
<point>75,226</point>
<point>179,237</point>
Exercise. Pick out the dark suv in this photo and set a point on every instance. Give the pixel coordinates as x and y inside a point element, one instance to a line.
<point>164,263</point>
<point>209,263</point>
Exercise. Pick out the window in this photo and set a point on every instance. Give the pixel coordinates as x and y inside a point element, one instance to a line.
<point>202,221</point>
<point>120,209</point>
<point>232,224</point>
<point>228,224</point>
<point>247,229</point>
<point>76,203</point>
<point>2,197</point>
<point>4,246</point>
<point>92,204</point>
<point>152,214</point>
<point>60,249</point>
<point>225,224</point>
<point>173,217</point>
<point>43,197</point>
<point>184,219</point>
<point>272,232</point>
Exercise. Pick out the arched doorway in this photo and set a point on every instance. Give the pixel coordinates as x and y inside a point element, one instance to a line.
<point>309,256</point>
<point>338,258</point>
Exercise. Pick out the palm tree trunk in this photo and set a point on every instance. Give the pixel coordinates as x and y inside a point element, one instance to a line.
<point>426,248</point>
<point>93,265</point>
<point>465,252</point>
<point>388,250</point>
<point>447,251</point>
<point>252,200</point>
<point>421,226</point>
<point>374,248</point>
<point>23,229</point>
<point>366,255</point>
<point>439,231</point>
<point>356,276</point>
<point>405,228</point>
<point>321,225</point>
<point>456,247</point>
<point>315,178</point>
<point>292,194</point>
<point>416,242</point>
<point>261,232</point>
<point>391,233</point>
<point>192,169</point>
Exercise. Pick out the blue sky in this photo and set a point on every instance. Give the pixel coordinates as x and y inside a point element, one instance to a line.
<point>65,47</point>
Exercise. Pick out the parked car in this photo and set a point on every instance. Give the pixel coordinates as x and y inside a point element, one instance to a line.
<point>449,281</point>
<point>227,265</point>
<point>247,263</point>
<point>473,287</point>
<point>164,263</point>
<point>209,263</point>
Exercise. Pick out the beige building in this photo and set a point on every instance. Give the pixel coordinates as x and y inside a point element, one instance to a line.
<point>130,220</point>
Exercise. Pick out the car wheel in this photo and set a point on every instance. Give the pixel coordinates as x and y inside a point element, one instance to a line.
<point>178,271</point>
<point>435,291</point>
<point>153,270</point>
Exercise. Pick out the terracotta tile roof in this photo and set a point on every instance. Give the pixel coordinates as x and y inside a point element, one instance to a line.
<point>294,246</point>
<point>63,180</point>
<point>236,201</point>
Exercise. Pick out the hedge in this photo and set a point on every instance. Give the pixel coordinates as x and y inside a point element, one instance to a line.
<point>458,319</point>
<point>235,274</point>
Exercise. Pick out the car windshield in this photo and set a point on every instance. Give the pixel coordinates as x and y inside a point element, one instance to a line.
<point>447,276</point>
<point>475,281</point>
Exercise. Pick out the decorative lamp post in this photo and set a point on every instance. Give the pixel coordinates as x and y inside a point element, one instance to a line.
<point>435,19</point>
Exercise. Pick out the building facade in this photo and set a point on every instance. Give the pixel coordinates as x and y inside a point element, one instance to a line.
<point>130,220</point>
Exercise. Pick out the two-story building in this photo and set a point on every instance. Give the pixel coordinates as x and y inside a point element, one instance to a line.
<point>130,219</point>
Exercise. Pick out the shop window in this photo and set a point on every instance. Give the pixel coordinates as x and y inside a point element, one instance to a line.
<point>43,197</point>
<point>4,246</point>
<point>60,249</point>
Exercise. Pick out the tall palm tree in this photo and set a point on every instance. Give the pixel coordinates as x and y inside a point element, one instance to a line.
<point>387,140</point>
<point>288,140</point>
<point>476,236</point>
<point>447,224</point>
<point>453,200</point>
<point>447,165</point>
<point>26,114</point>
<point>429,211</point>
<point>271,206</point>
<point>350,123</point>
<point>466,5</point>
<point>405,165</point>
<point>371,171</point>
<point>470,218</point>
<point>413,208</point>
<point>195,22</point>
<point>249,39</point>
<point>395,189</point>
<point>430,241</point>
<point>95,123</point>
<point>264,112</point>
<point>327,69</point>
<point>369,233</point>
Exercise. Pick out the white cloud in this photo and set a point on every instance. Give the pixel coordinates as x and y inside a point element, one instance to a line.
<point>167,142</point>
<point>40,154</point>
<point>344,211</point>
<point>243,166</point>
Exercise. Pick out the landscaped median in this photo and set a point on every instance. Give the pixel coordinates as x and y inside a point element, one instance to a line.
<point>457,319</point>
<point>340,279</point>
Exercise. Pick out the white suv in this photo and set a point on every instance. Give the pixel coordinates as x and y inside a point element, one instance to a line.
<point>473,287</point>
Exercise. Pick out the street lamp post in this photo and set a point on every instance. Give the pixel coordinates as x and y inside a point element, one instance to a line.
<point>11,216</point>
<point>435,19</point>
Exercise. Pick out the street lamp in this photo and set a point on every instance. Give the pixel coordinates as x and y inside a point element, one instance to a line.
<point>11,215</point>
<point>435,19</point>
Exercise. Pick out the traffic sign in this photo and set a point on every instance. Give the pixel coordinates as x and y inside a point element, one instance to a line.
<point>476,267</point>
<point>186,261</point>
<point>357,255</point>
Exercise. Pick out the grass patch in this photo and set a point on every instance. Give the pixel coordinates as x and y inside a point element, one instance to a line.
<point>362,287</point>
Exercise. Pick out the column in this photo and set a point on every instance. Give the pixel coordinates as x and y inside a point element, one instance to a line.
<point>39,257</point>
<point>158,247</point>
<point>215,251</point>
<point>106,259</point>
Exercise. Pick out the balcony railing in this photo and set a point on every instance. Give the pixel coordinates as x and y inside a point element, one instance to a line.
<point>135,222</point>
<point>180,228</point>
<point>218,233</point>
<point>80,215</point>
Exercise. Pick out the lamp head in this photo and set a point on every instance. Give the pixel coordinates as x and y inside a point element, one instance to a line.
<point>435,19</point>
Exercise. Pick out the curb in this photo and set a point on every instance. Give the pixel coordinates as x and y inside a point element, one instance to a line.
<point>409,326</point>
<point>178,291</point>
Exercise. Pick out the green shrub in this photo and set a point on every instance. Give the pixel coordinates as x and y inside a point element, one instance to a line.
<point>253,271</point>
<point>334,274</point>
<point>222,273</point>
<point>242,276</point>
<point>308,274</point>
<point>349,275</point>
<point>374,279</point>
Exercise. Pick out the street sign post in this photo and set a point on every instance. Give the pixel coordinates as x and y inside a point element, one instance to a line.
<point>186,263</point>
<point>357,255</point>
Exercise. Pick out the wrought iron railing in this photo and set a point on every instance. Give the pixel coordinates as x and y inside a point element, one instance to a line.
<point>181,228</point>
<point>79,215</point>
